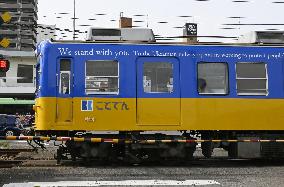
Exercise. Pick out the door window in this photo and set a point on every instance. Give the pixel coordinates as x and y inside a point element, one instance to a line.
<point>64,76</point>
<point>158,77</point>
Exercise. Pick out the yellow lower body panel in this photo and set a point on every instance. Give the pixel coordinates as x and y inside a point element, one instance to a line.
<point>155,112</point>
<point>129,114</point>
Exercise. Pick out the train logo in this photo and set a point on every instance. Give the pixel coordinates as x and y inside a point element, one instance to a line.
<point>86,105</point>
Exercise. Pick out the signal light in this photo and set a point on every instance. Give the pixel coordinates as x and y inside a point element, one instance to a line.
<point>4,65</point>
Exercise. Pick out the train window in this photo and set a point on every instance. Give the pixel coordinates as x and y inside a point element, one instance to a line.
<point>212,78</point>
<point>65,71</point>
<point>158,77</point>
<point>102,77</point>
<point>65,65</point>
<point>251,78</point>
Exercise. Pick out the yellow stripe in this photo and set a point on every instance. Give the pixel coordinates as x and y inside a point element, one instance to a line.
<point>150,141</point>
<point>11,137</point>
<point>63,138</point>
<point>96,140</point>
<point>45,138</point>
<point>79,139</point>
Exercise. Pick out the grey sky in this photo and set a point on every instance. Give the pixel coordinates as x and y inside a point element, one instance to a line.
<point>210,15</point>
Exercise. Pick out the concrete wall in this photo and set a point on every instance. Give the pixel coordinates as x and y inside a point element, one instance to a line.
<point>11,86</point>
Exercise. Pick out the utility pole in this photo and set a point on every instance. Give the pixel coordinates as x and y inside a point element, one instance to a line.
<point>74,20</point>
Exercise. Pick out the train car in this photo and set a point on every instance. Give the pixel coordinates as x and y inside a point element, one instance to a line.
<point>161,91</point>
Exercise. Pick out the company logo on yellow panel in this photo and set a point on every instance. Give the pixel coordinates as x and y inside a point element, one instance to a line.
<point>90,105</point>
<point>87,105</point>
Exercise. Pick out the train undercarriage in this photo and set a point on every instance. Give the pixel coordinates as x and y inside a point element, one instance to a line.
<point>166,147</point>
<point>131,152</point>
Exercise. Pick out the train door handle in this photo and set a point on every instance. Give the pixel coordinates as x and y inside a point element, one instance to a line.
<point>57,80</point>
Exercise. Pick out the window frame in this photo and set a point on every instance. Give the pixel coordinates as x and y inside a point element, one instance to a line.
<point>103,93</point>
<point>228,79</point>
<point>71,78</point>
<point>32,77</point>
<point>38,78</point>
<point>3,78</point>
<point>59,72</point>
<point>60,83</point>
<point>252,94</point>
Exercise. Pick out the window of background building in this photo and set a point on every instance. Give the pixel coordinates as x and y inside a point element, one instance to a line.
<point>102,77</point>
<point>251,78</point>
<point>158,77</point>
<point>212,78</point>
<point>2,77</point>
<point>25,73</point>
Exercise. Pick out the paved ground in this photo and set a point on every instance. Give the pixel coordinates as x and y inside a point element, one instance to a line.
<point>226,173</point>
<point>213,172</point>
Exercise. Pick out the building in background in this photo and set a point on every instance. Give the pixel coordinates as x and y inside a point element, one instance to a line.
<point>22,29</point>
<point>19,81</point>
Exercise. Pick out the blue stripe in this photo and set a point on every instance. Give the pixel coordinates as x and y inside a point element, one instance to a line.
<point>188,57</point>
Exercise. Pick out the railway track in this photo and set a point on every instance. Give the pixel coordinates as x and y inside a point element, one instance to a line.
<point>9,163</point>
<point>14,152</point>
<point>7,157</point>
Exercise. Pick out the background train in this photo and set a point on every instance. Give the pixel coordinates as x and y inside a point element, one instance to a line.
<point>164,92</point>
